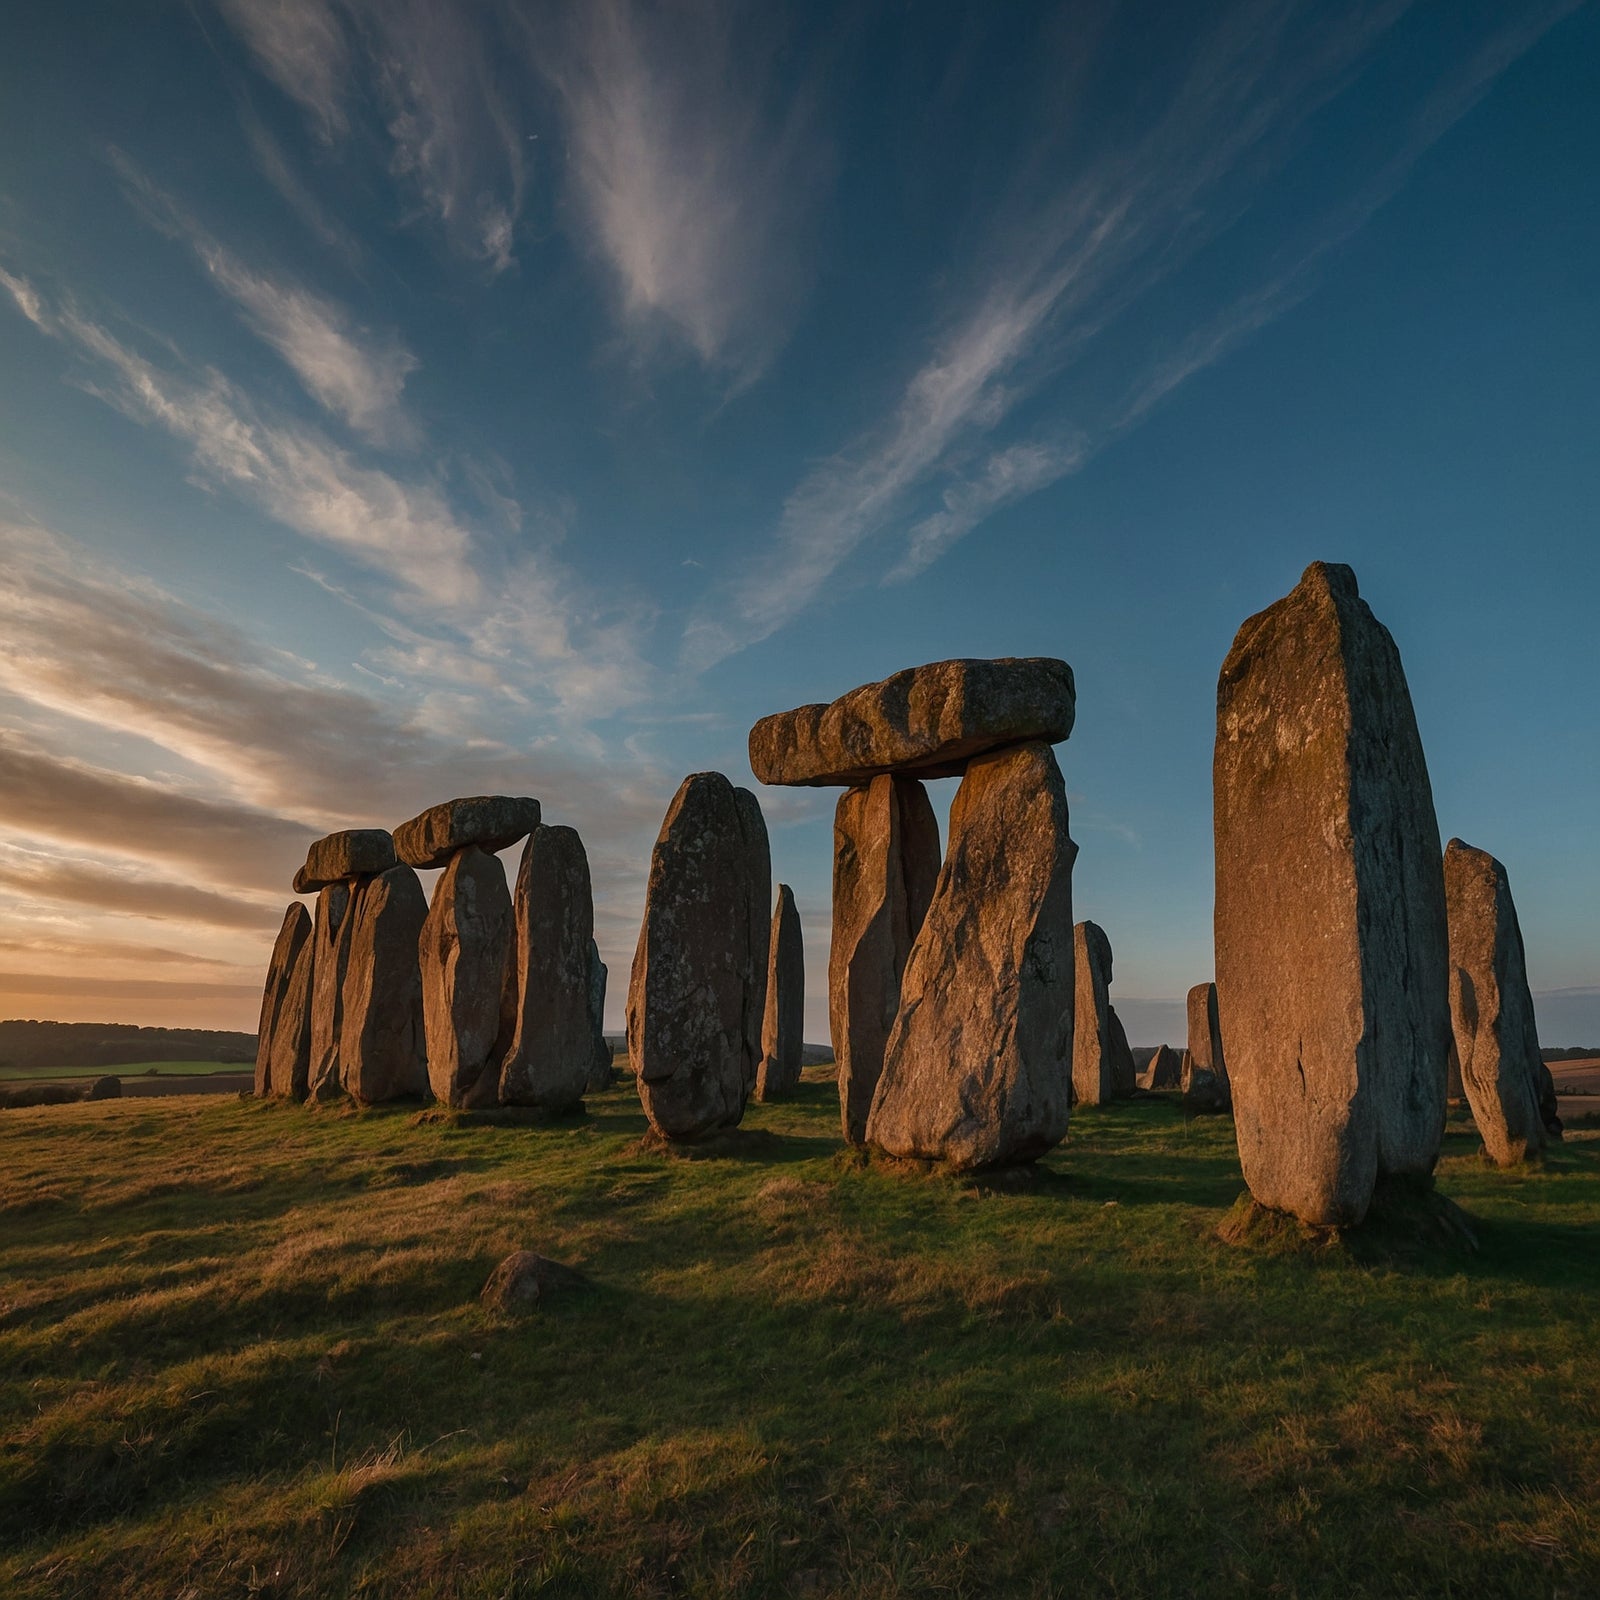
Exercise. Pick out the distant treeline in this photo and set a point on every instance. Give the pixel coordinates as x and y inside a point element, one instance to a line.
<point>110,1044</point>
<point>1576,1052</point>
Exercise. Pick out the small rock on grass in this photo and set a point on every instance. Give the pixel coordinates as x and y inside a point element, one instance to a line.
<point>524,1280</point>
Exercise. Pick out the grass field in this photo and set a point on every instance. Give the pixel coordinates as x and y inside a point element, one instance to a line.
<point>126,1069</point>
<point>243,1355</point>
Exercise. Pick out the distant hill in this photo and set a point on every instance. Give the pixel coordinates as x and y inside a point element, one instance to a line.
<point>30,1045</point>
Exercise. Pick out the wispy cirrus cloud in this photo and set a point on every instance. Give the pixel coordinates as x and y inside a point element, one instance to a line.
<point>292,471</point>
<point>1065,265</point>
<point>696,169</point>
<point>426,72</point>
<point>302,47</point>
<point>351,373</point>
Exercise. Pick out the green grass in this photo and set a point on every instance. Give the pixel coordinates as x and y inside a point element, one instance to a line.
<point>125,1069</point>
<point>243,1355</point>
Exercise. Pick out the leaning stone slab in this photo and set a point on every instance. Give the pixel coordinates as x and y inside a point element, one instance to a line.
<point>927,722</point>
<point>1332,962</point>
<point>978,1070</point>
<point>355,853</point>
<point>885,866</point>
<point>1093,1066</point>
<point>493,822</point>
<point>547,1024</point>
<point>463,952</point>
<point>693,981</point>
<point>382,1054</point>
<point>1491,1007</point>
<point>277,1015</point>
<point>1205,1045</point>
<point>779,1073</point>
<point>332,927</point>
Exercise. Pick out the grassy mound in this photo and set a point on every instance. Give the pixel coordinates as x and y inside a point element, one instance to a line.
<point>244,1354</point>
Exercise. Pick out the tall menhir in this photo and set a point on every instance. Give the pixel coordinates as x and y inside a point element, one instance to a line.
<point>1331,943</point>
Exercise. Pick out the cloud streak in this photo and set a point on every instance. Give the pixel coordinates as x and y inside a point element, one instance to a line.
<point>696,170</point>
<point>473,607</point>
<point>424,70</point>
<point>351,374</point>
<point>1067,267</point>
<point>110,886</point>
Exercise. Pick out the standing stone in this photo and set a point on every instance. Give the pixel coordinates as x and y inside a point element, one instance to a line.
<point>546,1018</point>
<point>1124,1075</point>
<point>1491,1007</point>
<point>464,952</point>
<point>758,868</point>
<point>1093,1071</point>
<point>601,1072</point>
<point>277,1017</point>
<point>1332,960</point>
<point>978,1070</point>
<point>885,866</point>
<point>1548,1108</point>
<point>1164,1069</point>
<point>290,1068</point>
<point>1205,1045</point>
<point>786,1003</point>
<point>382,1055</point>
<point>332,927</point>
<point>693,981</point>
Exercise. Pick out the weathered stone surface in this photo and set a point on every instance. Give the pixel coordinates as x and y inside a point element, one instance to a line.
<point>332,926</point>
<point>1124,1075</point>
<point>1205,1048</point>
<point>1491,1007</point>
<point>523,1280</point>
<point>1163,1071</point>
<point>601,1071</point>
<point>758,876</point>
<point>275,996</point>
<point>1093,1075</point>
<point>978,1069</point>
<point>463,955</point>
<point>1332,964</point>
<point>547,1024</point>
<point>885,866</point>
<point>492,822</point>
<point>781,1031</point>
<point>355,853</point>
<point>694,982</point>
<point>382,1053</point>
<point>926,722</point>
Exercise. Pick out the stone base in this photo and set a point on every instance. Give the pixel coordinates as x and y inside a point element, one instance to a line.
<point>1408,1223</point>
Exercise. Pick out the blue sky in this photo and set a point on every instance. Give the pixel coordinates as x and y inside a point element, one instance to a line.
<point>400,400</point>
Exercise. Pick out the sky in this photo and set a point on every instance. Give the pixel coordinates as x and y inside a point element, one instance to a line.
<point>402,399</point>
